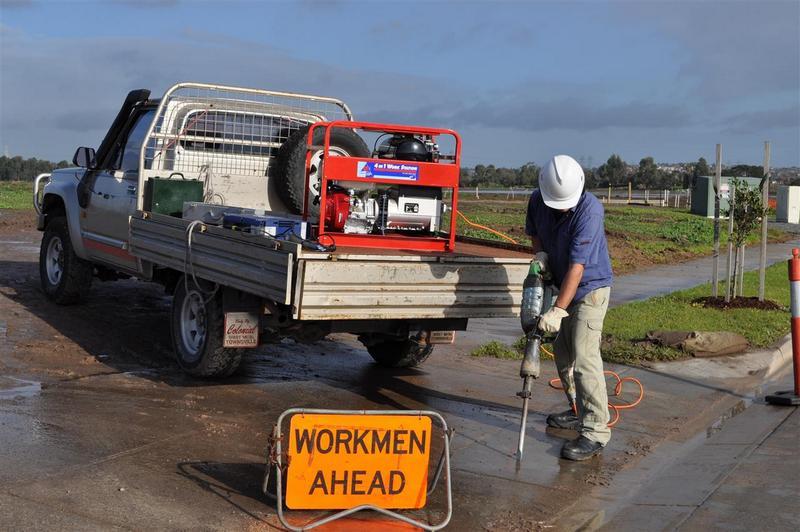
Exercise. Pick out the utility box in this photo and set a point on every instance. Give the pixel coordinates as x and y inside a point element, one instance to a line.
<point>703,193</point>
<point>788,205</point>
<point>167,196</point>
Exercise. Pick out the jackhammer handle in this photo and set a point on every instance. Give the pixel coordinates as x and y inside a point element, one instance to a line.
<point>530,366</point>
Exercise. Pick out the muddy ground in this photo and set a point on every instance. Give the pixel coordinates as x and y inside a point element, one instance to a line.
<point>100,429</point>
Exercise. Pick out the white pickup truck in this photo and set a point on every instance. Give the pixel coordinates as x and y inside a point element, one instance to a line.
<point>118,214</point>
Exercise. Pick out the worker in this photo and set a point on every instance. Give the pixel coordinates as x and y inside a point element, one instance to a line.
<point>565,224</point>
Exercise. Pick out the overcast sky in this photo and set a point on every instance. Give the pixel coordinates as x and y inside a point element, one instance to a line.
<point>520,81</point>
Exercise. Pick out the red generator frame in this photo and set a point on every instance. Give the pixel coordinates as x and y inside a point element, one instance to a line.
<point>426,174</point>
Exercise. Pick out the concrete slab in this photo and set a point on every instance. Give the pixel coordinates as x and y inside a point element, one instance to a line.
<point>763,491</point>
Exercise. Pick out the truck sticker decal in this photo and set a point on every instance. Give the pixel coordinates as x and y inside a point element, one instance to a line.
<point>388,170</point>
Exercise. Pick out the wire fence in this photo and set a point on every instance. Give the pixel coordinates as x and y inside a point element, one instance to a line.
<point>678,199</point>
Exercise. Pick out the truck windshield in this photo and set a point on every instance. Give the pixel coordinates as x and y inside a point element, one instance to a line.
<point>130,155</point>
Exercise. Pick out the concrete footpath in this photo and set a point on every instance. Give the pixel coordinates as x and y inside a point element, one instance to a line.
<point>745,476</point>
<point>648,283</point>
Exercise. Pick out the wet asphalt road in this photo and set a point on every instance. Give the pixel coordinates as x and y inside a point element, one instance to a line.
<point>99,428</point>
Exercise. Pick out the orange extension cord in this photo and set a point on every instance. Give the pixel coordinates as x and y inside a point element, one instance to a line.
<point>479,226</point>
<point>556,383</point>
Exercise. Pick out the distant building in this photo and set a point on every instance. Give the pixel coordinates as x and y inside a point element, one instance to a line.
<point>703,194</point>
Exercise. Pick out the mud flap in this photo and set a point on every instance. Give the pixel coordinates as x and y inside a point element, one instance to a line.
<point>242,319</point>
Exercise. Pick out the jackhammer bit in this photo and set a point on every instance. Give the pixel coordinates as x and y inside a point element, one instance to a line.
<point>529,370</point>
<point>537,297</point>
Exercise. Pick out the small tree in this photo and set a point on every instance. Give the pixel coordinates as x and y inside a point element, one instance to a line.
<point>647,175</point>
<point>748,208</point>
<point>700,168</point>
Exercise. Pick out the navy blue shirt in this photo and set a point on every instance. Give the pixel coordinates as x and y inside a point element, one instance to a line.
<point>574,236</point>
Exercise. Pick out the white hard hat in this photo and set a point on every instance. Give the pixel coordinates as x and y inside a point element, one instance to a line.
<point>561,182</point>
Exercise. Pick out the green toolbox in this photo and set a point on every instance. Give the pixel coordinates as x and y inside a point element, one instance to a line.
<point>166,196</point>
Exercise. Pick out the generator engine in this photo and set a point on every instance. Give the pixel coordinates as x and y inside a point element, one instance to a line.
<point>371,208</point>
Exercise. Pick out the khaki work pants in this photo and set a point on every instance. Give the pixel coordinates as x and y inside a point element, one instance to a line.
<point>577,354</point>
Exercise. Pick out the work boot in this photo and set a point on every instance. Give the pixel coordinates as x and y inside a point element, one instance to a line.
<point>581,448</point>
<point>564,420</point>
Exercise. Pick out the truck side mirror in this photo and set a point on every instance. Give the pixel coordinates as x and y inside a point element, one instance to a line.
<point>84,157</point>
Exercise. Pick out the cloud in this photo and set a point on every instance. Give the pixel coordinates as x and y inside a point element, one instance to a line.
<point>144,4</point>
<point>47,107</point>
<point>574,114</point>
<point>13,4</point>
<point>539,111</point>
<point>729,50</point>
<point>766,120</point>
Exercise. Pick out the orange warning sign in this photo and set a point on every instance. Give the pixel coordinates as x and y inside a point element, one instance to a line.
<point>339,461</point>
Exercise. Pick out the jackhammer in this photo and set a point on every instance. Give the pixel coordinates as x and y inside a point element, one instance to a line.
<point>538,295</point>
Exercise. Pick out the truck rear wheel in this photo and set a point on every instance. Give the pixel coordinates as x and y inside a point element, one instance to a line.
<point>197,333</point>
<point>291,164</point>
<point>65,277</point>
<point>397,352</point>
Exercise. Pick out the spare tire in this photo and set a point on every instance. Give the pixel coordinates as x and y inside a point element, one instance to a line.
<point>291,164</point>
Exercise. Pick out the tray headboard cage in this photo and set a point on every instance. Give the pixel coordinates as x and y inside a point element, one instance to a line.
<point>201,128</point>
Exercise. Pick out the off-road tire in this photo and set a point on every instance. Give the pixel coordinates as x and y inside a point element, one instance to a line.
<point>405,353</point>
<point>76,274</point>
<point>290,163</point>
<point>211,359</point>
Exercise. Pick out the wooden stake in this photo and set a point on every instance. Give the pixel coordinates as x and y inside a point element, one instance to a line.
<point>715,253</point>
<point>741,272</point>
<point>735,275</point>
<point>762,262</point>
<point>731,271</point>
<point>630,190</point>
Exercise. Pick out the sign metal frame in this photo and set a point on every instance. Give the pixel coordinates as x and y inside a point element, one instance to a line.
<point>275,460</point>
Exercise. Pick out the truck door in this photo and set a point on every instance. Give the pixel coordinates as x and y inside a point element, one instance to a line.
<point>104,226</point>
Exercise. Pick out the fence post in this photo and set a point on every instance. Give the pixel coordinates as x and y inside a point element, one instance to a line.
<point>762,263</point>
<point>787,398</point>
<point>630,190</point>
<point>609,195</point>
<point>731,207</point>
<point>715,253</point>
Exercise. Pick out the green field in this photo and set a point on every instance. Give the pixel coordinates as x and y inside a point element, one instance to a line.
<point>15,195</point>
<point>638,236</point>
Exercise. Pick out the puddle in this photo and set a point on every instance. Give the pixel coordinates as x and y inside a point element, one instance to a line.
<point>12,388</point>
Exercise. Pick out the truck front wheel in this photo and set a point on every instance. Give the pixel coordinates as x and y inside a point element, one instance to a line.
<point>393,352</point>
<point>197,333</point>
<point>65,277</point>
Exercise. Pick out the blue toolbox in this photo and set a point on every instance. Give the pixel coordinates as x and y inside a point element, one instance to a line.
<point>278,226</point>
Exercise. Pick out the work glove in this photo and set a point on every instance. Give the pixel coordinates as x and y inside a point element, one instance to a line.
<point>550,322</point>
<point>540,262</point>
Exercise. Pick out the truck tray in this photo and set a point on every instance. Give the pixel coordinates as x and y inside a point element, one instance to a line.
<point>250,263</point>
<point>476,281</point>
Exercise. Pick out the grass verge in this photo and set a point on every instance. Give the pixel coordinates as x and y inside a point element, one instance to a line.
<point>496,349</point>
<point>15,194</point>
<point>627,325</point>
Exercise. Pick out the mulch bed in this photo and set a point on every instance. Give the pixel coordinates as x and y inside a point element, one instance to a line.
<point>739,302</point>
